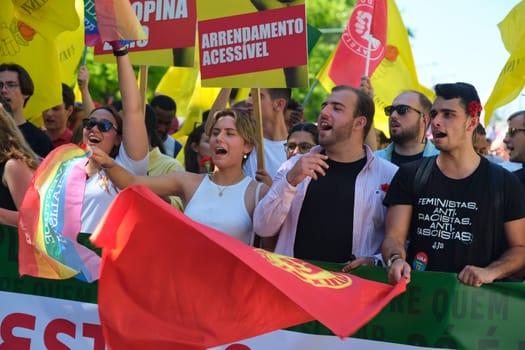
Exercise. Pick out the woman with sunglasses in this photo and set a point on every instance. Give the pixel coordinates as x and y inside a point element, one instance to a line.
<point>17,164</point>
<point>226,191</point>
<point>123,138</point>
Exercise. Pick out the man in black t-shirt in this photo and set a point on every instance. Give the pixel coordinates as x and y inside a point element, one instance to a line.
<point>515,142</point>
<point>450,219</point>
<point>326,205</point>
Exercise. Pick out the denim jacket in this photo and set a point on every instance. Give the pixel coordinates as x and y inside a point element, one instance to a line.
<point>386,153</point>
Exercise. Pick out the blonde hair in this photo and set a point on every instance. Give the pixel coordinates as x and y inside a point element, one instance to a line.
<point>244,123</point>
<point>12,143</point>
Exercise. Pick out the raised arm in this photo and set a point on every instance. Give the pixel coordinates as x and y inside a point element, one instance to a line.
<point>83,83</point>
<point>220,103</point>
<point>367,88</point>
<point>134,136</point>
<point>397,224</point>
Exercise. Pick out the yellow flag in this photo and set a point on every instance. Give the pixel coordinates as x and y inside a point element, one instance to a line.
<point>512,28</point>
<point>323,77</point>
<point>70,45</point>
<point>47,18</point>
<point>395,74</point>
<point>512,77</point>
<point>179,83</point>
<point>201,100</point>
<point>397,71</point>
<point>29,35</point>
<point>184,86</point>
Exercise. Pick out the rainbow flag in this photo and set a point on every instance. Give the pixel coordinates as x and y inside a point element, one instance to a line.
<point>103,24</point>
<point>49,219</point>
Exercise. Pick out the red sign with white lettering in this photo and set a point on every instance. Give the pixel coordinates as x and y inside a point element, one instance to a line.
<point>253,42</point>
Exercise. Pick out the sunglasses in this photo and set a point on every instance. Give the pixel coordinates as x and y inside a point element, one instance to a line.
<point>512,131</point>
<point>401,110</point>
<point>103,125</point>
<point>304,147</point>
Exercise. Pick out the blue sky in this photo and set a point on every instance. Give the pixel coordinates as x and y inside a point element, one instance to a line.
<point>458,40</point>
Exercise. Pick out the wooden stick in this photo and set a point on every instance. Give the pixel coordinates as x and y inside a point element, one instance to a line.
<point>256,98</point>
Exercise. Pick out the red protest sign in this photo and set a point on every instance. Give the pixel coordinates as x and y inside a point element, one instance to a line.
<point>253,42</point>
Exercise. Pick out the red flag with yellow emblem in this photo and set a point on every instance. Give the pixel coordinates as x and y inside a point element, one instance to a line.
<point>168,282</point>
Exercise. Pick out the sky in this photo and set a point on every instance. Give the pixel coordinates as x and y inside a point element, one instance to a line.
<point>458,40</point>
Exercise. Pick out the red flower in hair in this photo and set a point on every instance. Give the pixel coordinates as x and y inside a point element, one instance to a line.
<point>474,107</point>
<point>207,163</point>
<point>385,187</point>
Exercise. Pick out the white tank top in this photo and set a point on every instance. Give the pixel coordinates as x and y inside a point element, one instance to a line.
<point>223,208</point>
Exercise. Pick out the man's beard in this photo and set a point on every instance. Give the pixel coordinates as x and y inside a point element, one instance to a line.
<point>406,135</point>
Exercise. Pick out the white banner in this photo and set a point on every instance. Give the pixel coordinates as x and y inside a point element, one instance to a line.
<point>294,340</point>
<point>29,322</point>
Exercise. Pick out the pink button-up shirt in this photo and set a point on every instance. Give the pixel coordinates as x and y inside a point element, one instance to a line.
<point>278,212</point>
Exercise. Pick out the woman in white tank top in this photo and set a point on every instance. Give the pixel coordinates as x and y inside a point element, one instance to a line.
<point>225,197</point>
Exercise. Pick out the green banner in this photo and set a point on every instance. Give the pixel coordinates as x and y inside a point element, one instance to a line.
<point>436,310</point>
<point>439,311</point>
<point>10,281</point>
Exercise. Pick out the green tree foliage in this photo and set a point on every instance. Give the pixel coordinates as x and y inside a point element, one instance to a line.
<point>330,16</point>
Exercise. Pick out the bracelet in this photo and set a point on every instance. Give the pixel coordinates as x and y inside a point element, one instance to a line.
<point>118,53</point>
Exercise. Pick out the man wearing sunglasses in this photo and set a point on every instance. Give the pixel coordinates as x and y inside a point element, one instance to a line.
<point>457,212</point>
<point>515,142</point>
<point>408,122</point>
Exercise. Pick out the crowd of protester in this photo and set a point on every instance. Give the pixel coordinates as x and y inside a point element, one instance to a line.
<point>429,198</point>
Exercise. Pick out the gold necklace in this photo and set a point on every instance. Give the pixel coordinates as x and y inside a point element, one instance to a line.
<point>219,188</point>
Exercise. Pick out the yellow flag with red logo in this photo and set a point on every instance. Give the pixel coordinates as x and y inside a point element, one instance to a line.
<point>28,33</point>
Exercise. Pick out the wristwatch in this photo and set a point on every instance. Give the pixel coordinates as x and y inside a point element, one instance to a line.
<point>393,257</point>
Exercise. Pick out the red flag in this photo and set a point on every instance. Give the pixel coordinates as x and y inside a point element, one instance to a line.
<point>366,29</point>
<point>168,282</point>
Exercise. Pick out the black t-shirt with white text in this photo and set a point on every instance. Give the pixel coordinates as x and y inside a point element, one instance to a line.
<point>449,227</point>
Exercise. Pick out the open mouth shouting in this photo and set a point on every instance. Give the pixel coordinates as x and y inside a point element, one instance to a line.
<point>324,125</point>
<point>93,139</point>
<point>220,151</point>
<point>438,135</point>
